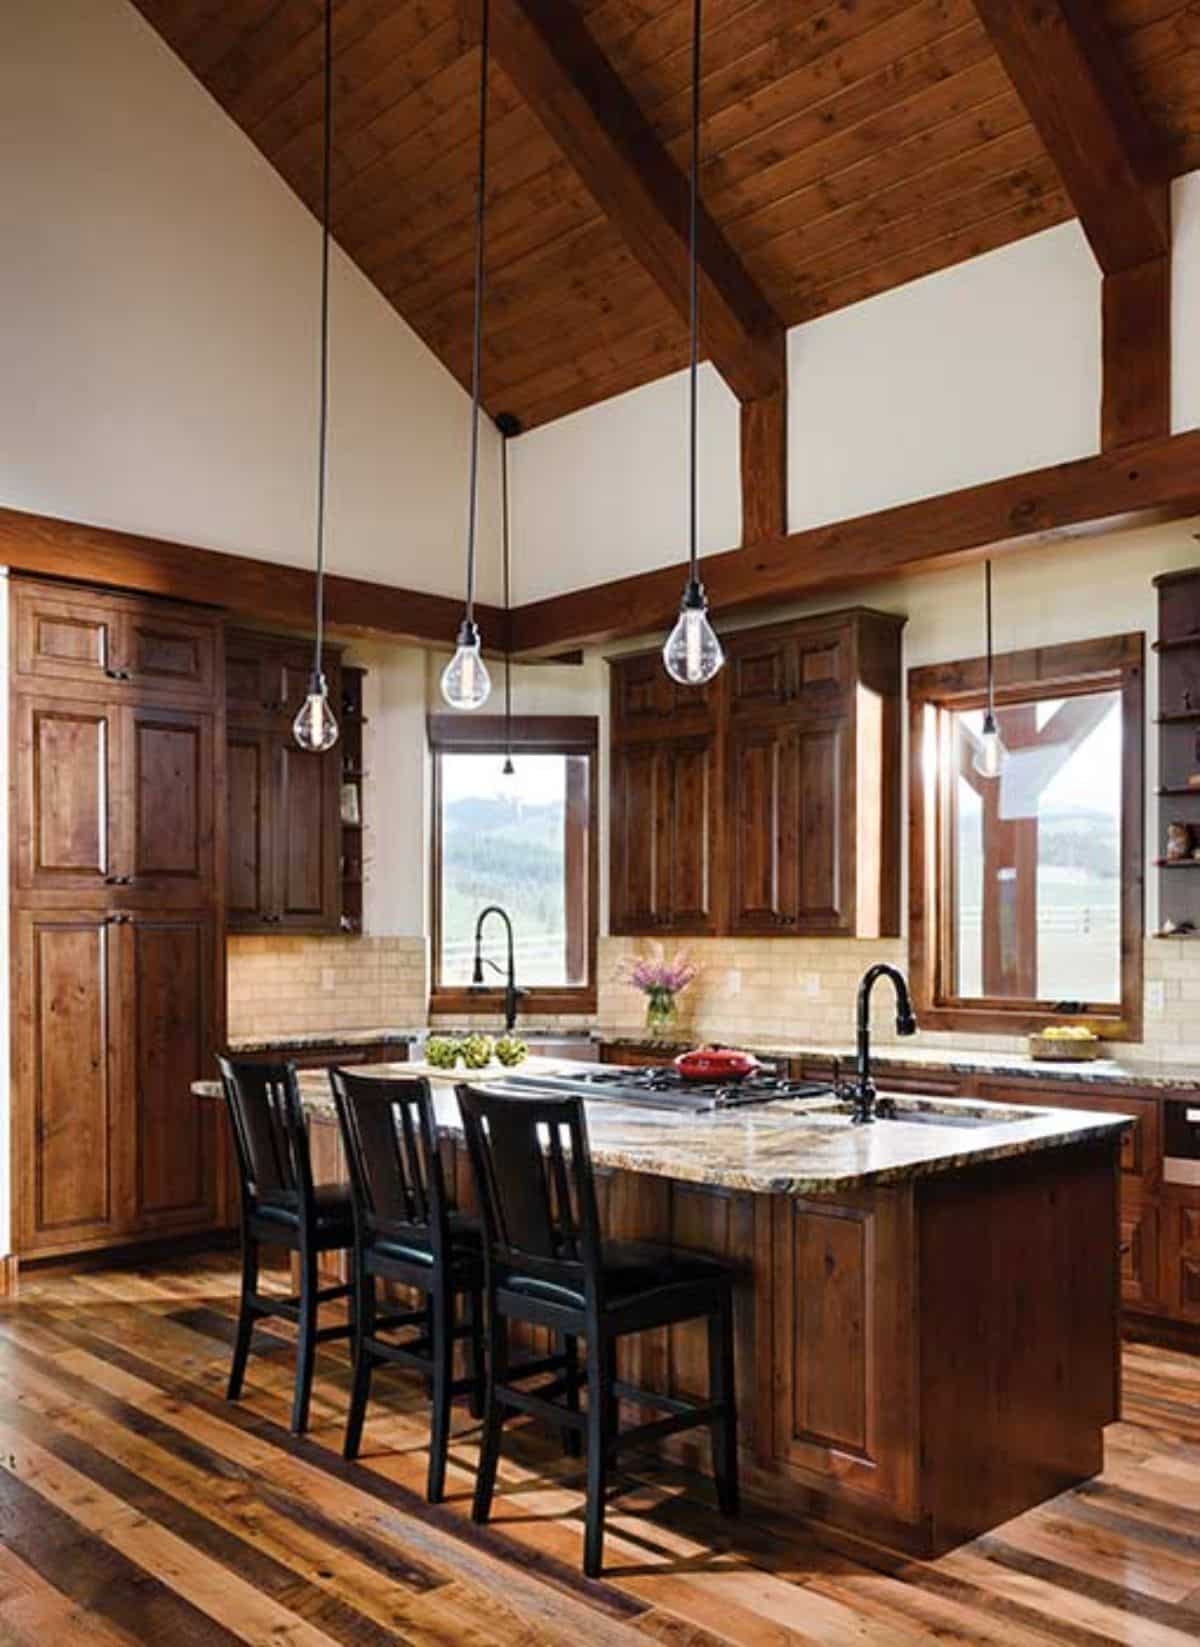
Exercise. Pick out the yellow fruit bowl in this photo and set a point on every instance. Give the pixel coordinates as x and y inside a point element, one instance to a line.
<point>1072,1044</point>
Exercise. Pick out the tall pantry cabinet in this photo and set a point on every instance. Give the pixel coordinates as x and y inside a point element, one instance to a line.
<point>117,896</point>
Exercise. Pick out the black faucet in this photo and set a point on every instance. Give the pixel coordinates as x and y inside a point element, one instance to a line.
<point>863,1091</point>
<point>511,993</point>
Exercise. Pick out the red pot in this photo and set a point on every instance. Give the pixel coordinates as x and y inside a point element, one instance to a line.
<point>716,1064</point>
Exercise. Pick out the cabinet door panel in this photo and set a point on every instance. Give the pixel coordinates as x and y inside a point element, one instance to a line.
<point>637,901</point>
<point>1139,1253</point>
<point>306,838</point>
<point>688,809</point>
<point>169,964</point>
<point>65,637</point>
<point>818,757</point>
<point>761,806</point>
<point>67,766</point>
<point>249,885</point>
<point>762,673</point>
<point>171,853</point>
<point>67,1095</point>
<point>170,654</point>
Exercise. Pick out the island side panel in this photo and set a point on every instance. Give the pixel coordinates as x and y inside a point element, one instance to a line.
<point>844,1308</point>
<point>1020,1338</point>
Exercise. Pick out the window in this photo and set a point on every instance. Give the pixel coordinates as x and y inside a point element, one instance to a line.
<point>526,842</point>
<point>1025,894</point>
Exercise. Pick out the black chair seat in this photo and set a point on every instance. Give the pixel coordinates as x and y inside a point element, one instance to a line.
<point>333,1208</point>
<point>631,1270</point>
<point>465,1243</point>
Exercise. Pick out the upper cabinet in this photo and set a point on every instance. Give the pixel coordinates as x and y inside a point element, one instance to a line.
<point>769,802</point>
<point>114,642</point>
<point>115,717</point>
<point>282,804</point>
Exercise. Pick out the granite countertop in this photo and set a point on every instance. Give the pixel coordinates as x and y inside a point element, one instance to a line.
<point>793,1147</point>
<point>299,1041</point>
<point>915,1059</point>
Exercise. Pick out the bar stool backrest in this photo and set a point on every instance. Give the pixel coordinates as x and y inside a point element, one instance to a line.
<point>537,1193</point>
<point>396,1178</point>
<point>270,1136</point>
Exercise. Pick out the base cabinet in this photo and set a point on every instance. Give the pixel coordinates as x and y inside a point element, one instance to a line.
<point>115,1018</point>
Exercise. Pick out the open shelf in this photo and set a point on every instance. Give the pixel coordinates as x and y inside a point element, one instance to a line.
<point>1177,863</point>
<point>1179,789</point>
<point>1178,717</point>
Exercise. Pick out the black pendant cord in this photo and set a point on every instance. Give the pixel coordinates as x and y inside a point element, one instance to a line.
<point>693,213</point>
<point>507,604</point>
<point>991,697</point>
<point>323,419</point>
<point>477,335</point>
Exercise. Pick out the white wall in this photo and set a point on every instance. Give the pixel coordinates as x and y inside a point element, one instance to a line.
<point>985,369</point>
<point>981,370</point>
<point>159,285</point>
<point>603,493</point>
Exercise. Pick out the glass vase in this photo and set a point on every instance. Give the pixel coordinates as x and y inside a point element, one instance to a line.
<point>662,1015</point>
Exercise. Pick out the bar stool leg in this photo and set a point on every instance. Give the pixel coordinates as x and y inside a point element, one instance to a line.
<point>493,1416</point>
<point>572,1439</point>
<point>476,1366</point>
<point>245,1325</point>
<point>360,1388</point>
<point>442,1345</point>
<point>306,1346</point>
<point>600,1422</point>
<point>721,1387</point>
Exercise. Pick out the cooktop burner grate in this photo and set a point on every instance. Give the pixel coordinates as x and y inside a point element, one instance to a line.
<point>662,1088</point>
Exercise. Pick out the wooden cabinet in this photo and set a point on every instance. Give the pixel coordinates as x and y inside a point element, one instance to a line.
<point>662,800</point>
<point>768,803</point>
<point>116,1016</point>
<point>283,823</point>
<point>118,981</point>
<point>76,636</point>
<point>786,866</point>
<point>114,795</point>
<point>1140,1169</point>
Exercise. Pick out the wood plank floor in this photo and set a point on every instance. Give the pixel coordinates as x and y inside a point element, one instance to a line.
<point>137,1506</point>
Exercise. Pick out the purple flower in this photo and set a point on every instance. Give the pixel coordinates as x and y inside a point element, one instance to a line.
<point>655,975</point>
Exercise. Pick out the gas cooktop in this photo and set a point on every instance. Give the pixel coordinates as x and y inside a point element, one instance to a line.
<point>664,1088</point>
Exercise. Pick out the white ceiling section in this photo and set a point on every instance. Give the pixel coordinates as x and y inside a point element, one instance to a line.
<point>160,287</point>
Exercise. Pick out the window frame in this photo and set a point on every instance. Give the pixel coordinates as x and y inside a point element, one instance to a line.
<point>458,734</point>
<point>1113,663</point>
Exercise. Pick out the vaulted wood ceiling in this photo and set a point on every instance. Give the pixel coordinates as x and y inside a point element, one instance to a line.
<point>850,146</point>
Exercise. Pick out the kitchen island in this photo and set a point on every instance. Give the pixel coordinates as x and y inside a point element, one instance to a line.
<point>927,1307</point>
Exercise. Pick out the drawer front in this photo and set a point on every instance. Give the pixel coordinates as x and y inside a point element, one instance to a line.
<point>171,655</point>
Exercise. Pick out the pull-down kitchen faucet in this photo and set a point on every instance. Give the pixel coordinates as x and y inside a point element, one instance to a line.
<point>511,993</point>
<point>863,1091</point>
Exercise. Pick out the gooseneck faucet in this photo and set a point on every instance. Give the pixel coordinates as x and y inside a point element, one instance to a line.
<point>511,993</point>
<point>863,1094</point>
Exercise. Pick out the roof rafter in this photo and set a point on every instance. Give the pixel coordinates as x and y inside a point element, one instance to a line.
<point>1067,74</point>
<point>546,51</point>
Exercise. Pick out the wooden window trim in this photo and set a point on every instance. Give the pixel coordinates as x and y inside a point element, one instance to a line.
<point>1115,663</point>
<point>531,734</point>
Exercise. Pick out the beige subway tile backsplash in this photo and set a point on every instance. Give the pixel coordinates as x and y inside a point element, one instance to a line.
<point>281,985</point>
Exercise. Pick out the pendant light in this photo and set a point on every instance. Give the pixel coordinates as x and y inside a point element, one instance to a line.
<point>508,426</point>
<point>465,680</point>
<point>990,755</point>
<point>315,727</point>
<point>692,654</point>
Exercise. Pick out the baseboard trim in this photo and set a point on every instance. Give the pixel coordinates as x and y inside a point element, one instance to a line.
<point>134,1252</point>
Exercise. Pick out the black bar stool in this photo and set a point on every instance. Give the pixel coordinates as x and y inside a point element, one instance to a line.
<point>546,1264</point>
<point>281,1206</point>
<point>407,1231</point>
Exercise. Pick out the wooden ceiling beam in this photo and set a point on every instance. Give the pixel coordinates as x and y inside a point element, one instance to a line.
<point>545,49</point>
<point>258,590</point>
<point>1139,485</point>
<point>1067,73</point>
